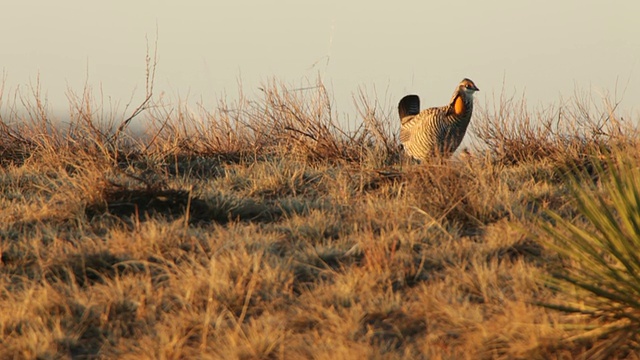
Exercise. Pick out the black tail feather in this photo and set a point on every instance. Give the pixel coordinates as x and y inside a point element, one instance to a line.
<point>409,105</point>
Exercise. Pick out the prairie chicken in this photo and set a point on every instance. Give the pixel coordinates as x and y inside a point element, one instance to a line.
<point>437,130</point>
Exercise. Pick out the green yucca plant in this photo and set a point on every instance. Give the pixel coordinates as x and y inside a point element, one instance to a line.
<point>603,267</point>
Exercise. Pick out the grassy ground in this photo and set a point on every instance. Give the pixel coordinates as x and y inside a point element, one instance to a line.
<point>265,230</point>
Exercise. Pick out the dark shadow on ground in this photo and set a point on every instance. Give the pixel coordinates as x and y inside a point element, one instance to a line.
<point>141,204</point>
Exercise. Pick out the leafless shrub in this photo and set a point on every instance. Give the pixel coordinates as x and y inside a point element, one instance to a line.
<point>570,133</point>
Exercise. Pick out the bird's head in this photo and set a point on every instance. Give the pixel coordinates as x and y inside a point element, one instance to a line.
<point>467,87</point>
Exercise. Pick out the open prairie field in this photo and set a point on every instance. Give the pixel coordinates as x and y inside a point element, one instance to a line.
<point>269,228</point>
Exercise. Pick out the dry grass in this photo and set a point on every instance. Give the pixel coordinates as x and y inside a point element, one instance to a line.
<point>263,229</point>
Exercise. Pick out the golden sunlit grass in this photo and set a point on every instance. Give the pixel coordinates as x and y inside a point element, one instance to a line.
<point>267,229</point>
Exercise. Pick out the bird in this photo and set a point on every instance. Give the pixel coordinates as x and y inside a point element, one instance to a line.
<point>436,131</point>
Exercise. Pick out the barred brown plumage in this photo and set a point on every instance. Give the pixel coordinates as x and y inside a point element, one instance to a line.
<point>438,130</point>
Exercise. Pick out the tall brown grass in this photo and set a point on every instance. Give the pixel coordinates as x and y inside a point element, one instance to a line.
<point>264,229</point>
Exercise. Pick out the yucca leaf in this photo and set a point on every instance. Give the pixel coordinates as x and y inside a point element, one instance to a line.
<point>604,268</point>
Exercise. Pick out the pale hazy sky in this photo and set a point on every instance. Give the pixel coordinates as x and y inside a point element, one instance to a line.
<point>547,49</point>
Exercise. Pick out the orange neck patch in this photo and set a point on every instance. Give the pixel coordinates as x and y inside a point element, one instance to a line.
<point>458,105</point>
